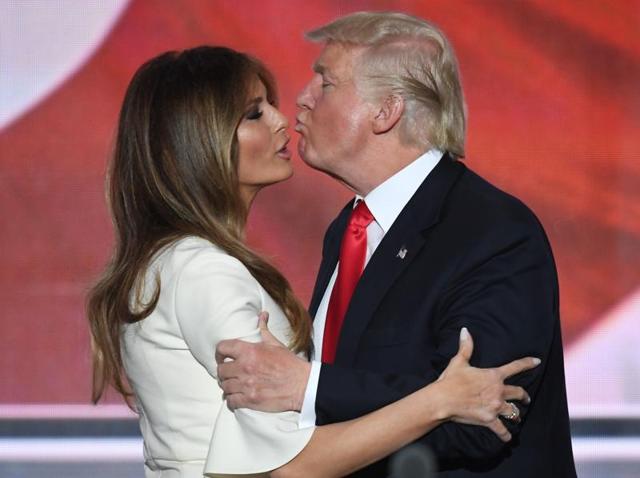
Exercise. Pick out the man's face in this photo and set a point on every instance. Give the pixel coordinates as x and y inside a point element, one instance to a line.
<point>334,121</point>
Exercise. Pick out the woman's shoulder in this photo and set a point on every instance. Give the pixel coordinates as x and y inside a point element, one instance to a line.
<point>192,248</point>
<point>191,244</point>
<point>197,257</point>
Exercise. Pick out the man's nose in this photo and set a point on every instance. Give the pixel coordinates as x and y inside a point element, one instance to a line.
<point>305,98</point>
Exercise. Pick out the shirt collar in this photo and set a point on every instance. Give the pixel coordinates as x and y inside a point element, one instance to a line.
<point>388,199</point>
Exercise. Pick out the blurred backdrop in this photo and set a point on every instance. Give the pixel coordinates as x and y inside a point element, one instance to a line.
<point>553,93</point>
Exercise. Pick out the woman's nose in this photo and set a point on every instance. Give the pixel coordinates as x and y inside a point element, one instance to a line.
<point>281,121</point>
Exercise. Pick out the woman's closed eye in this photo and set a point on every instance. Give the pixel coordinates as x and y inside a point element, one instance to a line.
<point>254,114</point>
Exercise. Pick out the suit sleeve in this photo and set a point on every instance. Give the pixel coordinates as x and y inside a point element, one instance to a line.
<point>507,298</point>
<point>218,299</point>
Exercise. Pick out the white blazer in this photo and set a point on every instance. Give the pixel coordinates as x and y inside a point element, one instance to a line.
<point>169,357</point>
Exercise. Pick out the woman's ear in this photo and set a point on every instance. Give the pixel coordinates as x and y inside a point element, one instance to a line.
<point>389,114</point>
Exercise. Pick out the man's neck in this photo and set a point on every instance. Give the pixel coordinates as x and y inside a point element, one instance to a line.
<point>380,166</point>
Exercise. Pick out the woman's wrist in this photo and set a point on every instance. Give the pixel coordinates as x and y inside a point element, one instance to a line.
<point>437,401</point>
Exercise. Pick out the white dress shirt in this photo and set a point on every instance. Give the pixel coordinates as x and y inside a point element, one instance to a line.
<point>385,202</point>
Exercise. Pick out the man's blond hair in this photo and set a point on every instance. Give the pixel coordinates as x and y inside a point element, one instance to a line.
<point>409,57</point>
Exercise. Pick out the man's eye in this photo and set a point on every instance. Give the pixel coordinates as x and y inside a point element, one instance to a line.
<point>254,115</point>
<point>325,84</point>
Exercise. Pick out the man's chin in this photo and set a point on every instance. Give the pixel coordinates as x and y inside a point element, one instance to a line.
<point>303,152</point>
<point>310,159</point>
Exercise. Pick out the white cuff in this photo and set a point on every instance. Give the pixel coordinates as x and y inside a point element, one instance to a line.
<point>308,412</point>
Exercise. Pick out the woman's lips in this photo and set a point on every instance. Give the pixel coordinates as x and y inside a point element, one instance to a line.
<point>284,151</point>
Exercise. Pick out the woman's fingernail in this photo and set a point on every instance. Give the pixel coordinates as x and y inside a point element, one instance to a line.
<point>464,334</point>
<point>536,361</point>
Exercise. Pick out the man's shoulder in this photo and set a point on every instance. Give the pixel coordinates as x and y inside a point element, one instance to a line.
<point>481,219</point>
<point>479,200</point>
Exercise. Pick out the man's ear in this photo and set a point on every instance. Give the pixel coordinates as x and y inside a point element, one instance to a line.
<point>389,114</point>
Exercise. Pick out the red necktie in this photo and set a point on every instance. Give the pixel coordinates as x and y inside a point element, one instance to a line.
<point>353,251</point>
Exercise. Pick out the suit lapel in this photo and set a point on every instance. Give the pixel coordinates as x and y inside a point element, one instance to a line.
<point>399,247</point>
<point>330,258</point>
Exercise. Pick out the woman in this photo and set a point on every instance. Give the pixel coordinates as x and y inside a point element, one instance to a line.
<point>199,135</point>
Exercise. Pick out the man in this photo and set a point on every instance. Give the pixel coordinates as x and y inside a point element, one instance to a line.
<point>441,249</point>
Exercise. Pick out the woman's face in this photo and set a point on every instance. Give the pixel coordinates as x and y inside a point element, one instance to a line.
<point>262,140</point>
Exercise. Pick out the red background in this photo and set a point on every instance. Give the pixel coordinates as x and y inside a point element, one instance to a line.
<point>553,90</point>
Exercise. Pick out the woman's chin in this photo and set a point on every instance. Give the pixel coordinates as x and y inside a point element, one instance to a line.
<point>286,174</point>
<point>280,178</point>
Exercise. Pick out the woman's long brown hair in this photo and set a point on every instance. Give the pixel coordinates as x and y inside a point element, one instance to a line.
<point>174,174</point>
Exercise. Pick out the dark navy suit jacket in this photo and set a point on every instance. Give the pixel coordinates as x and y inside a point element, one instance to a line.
<point>476,257</point>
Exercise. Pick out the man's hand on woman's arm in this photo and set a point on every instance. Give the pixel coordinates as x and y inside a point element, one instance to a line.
<point>263,376</point>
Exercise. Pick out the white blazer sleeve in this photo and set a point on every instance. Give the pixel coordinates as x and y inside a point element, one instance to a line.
<point>218,299</point>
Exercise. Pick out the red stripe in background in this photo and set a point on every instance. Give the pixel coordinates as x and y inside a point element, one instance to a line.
<point>554,114</point>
